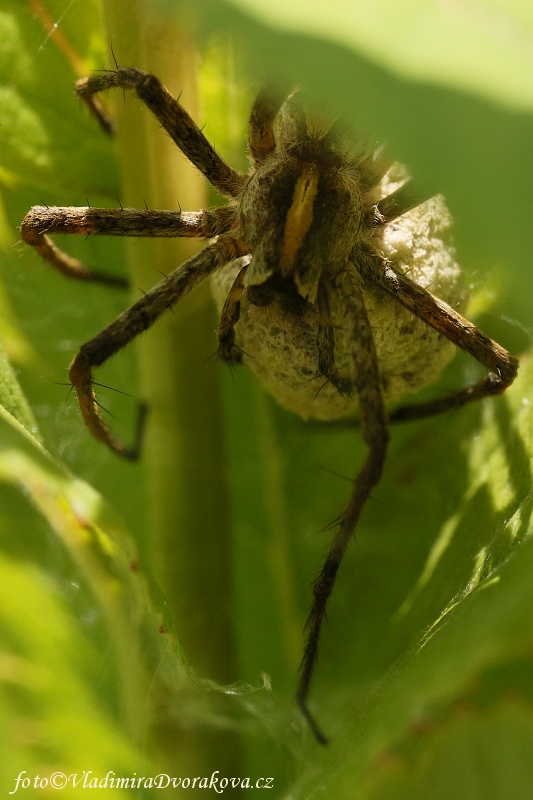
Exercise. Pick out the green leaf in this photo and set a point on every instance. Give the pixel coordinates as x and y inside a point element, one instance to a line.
<point>490,54</point>
<point>424,682</point>
<point>39,112</point>
<point>72,673</point>
<point>12,398</point>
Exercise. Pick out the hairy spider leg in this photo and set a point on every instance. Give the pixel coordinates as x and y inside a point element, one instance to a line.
<point>175,120</point>
<point>374,424</point>
<point>41,221</point>
<point>261,138</point>
<point>439,315</point>
<point>136,319</point>
<point>502,366</point>
<point>326,344</point>
<point>399,202</point>
<point>376,436</point>
<point>229,317</point>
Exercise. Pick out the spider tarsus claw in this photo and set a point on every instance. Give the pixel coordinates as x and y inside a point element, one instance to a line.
<point>134,452</point>
<point>129,452</point>
<point>113,281</point>
<point>312,723</point>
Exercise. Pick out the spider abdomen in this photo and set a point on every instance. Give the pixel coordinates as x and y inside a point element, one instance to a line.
<point>281,347</point>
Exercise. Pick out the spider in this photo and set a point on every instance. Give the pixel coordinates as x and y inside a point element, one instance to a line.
<point>299,252</point>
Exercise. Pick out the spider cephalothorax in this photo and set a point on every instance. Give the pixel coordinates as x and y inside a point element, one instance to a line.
<point>304,208</point>
<point>310,216</point>
<point>320,263</point>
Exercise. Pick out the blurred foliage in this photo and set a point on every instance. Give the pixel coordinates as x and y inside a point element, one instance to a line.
<point>425,679</point>
<point>457,137</point>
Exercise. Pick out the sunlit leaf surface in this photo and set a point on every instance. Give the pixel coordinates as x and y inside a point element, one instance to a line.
<point>425,680</point>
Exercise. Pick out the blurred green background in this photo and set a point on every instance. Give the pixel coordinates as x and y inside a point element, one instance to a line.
<point>151,615</point>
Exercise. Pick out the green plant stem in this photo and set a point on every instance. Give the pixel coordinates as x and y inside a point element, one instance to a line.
<point>188,545</point>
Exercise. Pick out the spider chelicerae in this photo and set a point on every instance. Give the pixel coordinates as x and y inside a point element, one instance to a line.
<point>301,250</point>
